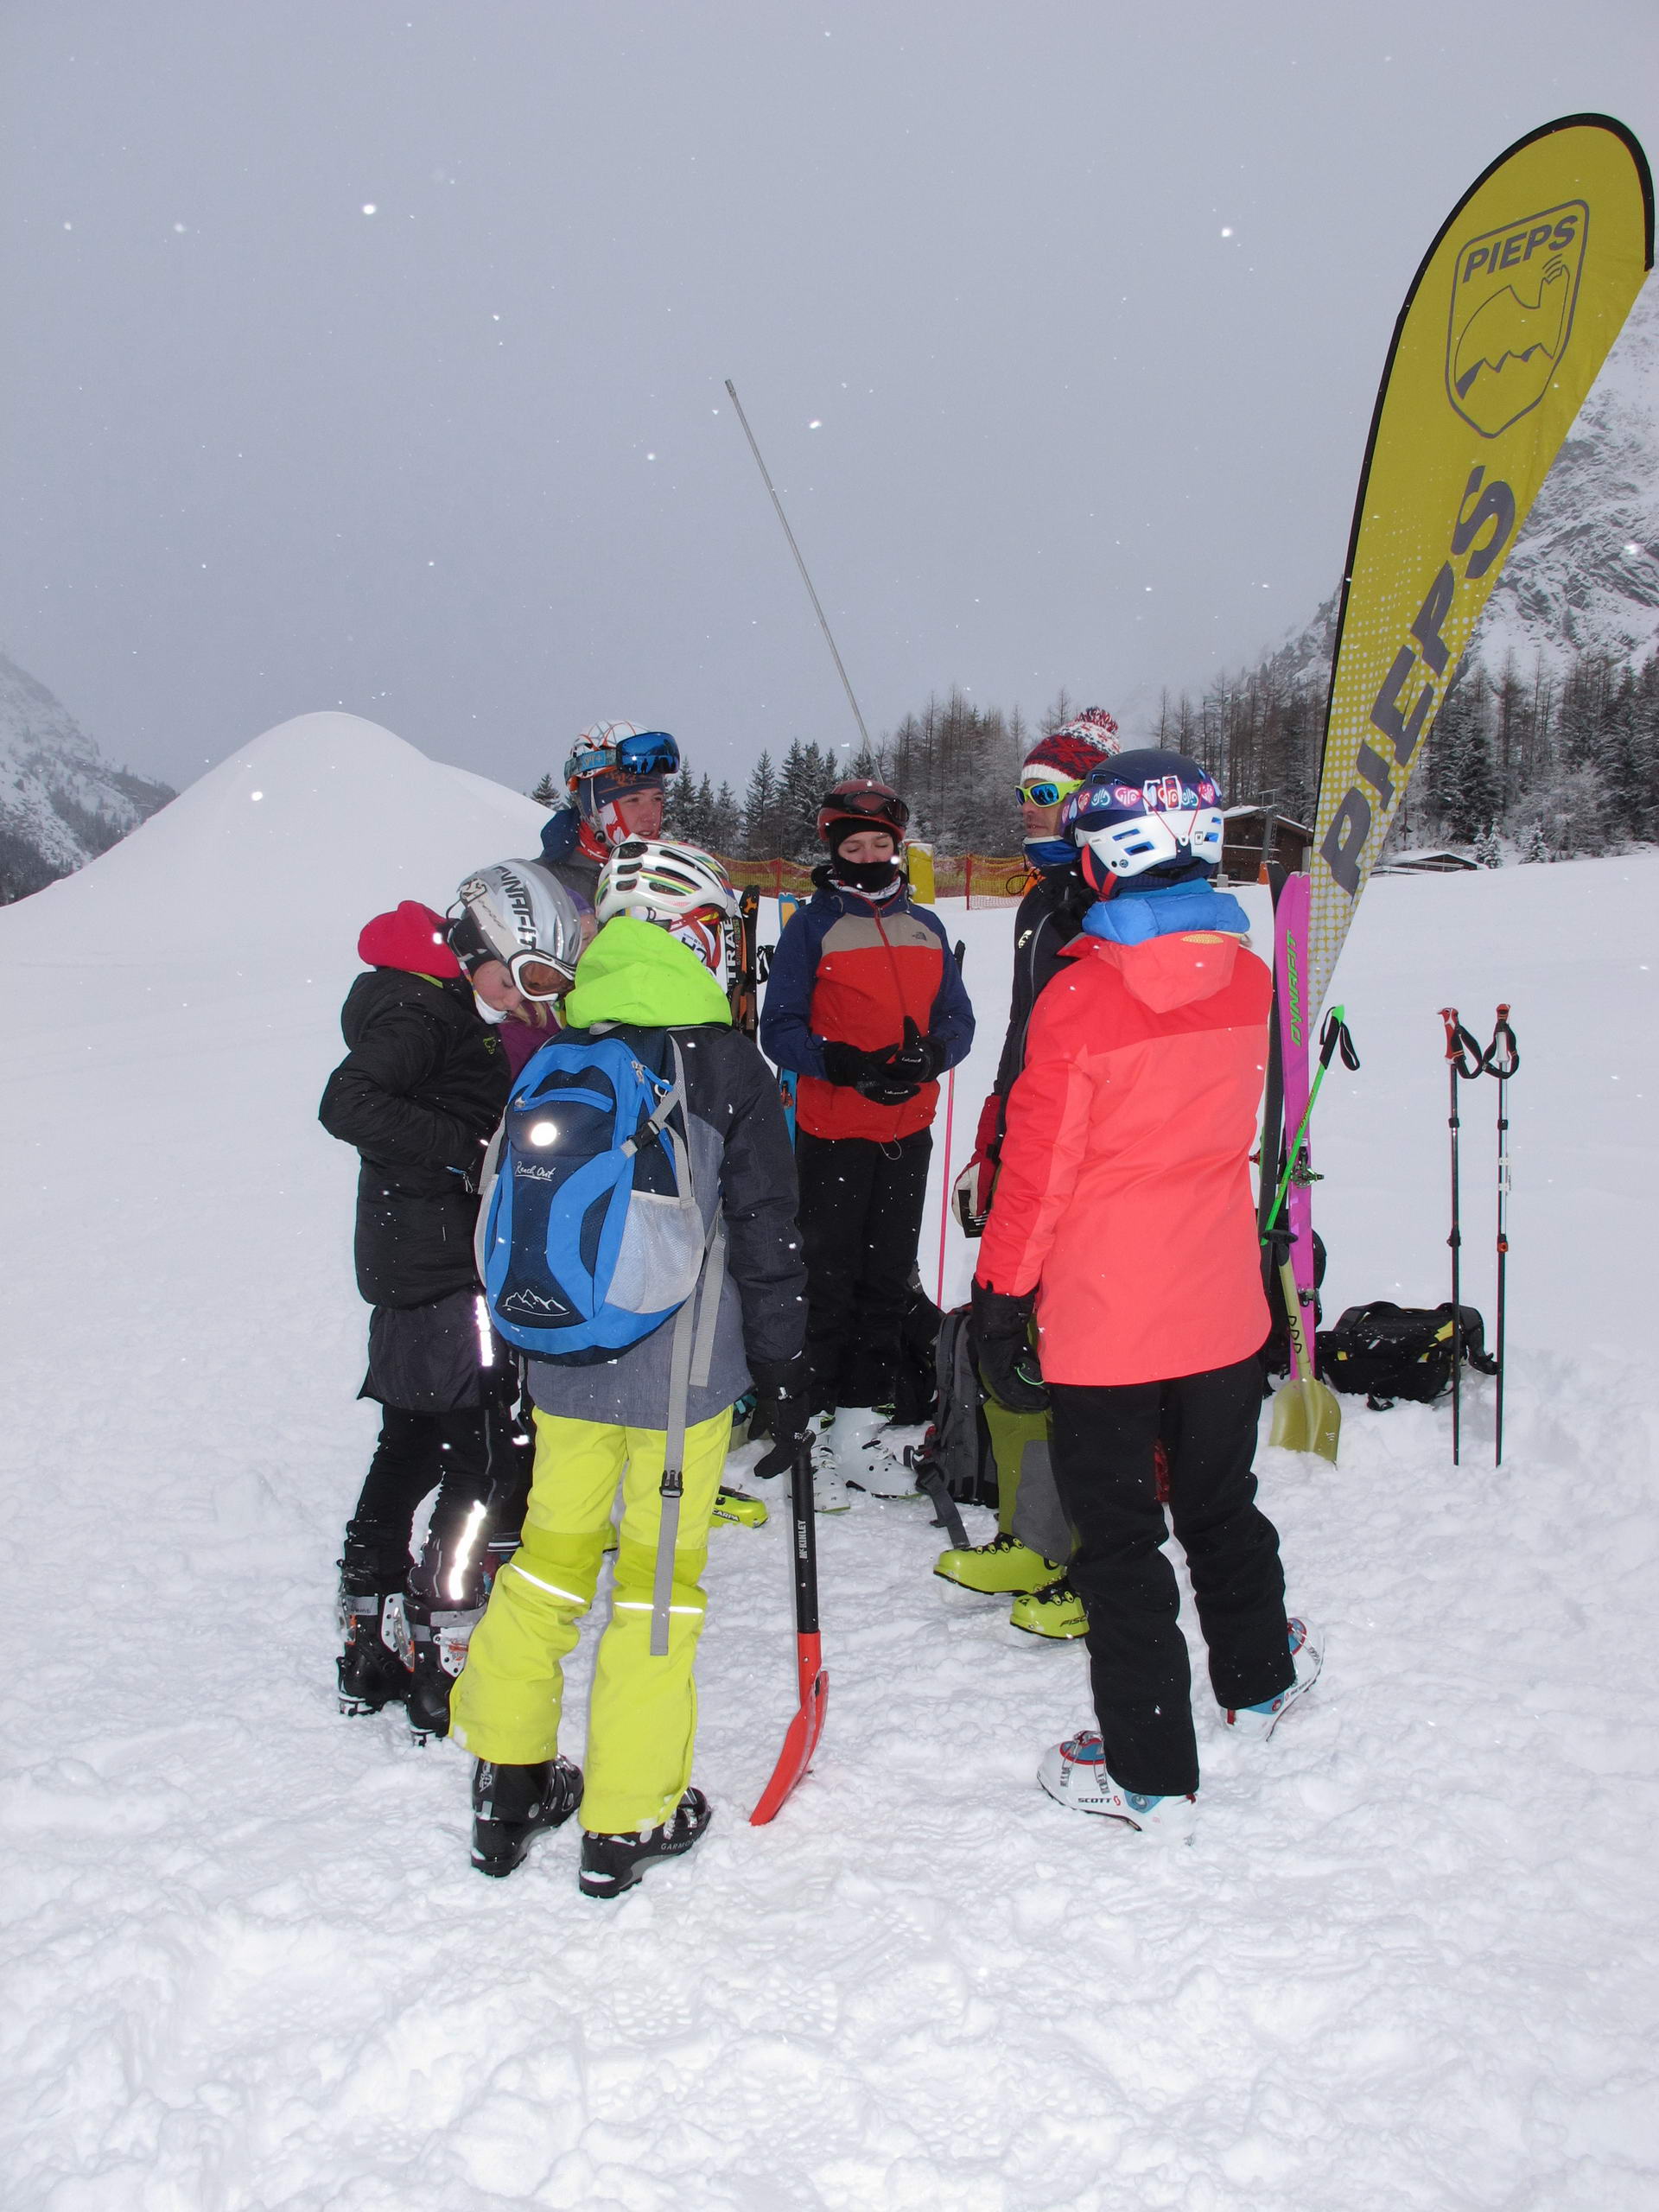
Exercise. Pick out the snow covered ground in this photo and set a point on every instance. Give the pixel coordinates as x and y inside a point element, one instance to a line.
<point>1410,1960</point>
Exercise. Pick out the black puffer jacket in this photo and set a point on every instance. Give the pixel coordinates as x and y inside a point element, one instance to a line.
<point>1050,916</point>
<point>420,1090</point>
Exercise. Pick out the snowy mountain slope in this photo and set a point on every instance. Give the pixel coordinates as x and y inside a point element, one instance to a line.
<point>248,1968</point>
<point>1583,575</point>
<point>60,801</point>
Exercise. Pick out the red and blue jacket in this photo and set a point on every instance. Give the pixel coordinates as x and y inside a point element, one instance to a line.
<point>848,969</point>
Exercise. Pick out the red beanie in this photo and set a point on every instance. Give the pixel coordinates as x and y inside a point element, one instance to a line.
<point>413,938</point>
<point>1079,746</point>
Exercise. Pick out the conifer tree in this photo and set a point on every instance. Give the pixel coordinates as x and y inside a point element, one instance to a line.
<point>726,822</point>
<point>761,824</point>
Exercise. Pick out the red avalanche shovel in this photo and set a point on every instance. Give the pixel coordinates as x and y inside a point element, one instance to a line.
<point>807,1727</point>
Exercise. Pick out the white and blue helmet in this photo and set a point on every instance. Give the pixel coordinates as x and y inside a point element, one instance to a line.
<point>1147,813</point>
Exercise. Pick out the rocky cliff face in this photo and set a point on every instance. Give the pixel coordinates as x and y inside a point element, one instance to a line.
<point>1584,574</point>
<point>61,803</point>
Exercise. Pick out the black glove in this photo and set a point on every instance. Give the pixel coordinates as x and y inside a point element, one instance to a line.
<point>999,1336</point>
<point>780,1386</point>
<point>887,1089</point>
<point>918,1059</point>
<point>846,1064</point>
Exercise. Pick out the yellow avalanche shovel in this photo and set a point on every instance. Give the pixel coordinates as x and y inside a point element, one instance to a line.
<point>1306,1413</point>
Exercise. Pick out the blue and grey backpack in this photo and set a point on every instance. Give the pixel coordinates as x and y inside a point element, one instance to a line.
<point>590,1236</point>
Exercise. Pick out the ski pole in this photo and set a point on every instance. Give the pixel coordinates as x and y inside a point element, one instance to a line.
<point>1459,1045</point>
<point>1501,1058</point>
<point>958,952</point>
<point>1334,1034</point>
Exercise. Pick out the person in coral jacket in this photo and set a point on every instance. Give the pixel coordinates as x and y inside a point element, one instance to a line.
<point>865,1002</point>
<point>1123,1224</point>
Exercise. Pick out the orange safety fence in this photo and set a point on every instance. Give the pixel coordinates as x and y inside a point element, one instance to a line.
<point>982,879</point>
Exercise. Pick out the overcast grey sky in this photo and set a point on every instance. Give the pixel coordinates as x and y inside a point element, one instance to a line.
<point>1060,326</point>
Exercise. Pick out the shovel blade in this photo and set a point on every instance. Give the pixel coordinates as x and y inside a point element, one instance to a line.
<point>1307,1417</point>
<point>799,1745</point>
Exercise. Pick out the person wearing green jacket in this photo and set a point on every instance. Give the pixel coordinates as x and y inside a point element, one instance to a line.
<point>648,976</point>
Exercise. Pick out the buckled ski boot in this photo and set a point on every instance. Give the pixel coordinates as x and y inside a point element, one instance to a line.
<point>1307,1657</point>
<point>371,1672</point>
<point>1055,1612</point>
<point>740,1506</point>
<point>438,1637</point>
<point>1004,1567</point>
<point>1074,1775</point>
<point>835,1458</point>
<point>512,1804</point>
<point>610,1863</point>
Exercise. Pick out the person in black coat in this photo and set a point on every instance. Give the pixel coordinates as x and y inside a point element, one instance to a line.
<point>419,1094</point>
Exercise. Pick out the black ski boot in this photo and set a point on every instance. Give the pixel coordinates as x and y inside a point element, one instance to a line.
<point>511,1804</point>
<point>610,1863</point>
<point>437,1652</point>
<point>371,1672</point>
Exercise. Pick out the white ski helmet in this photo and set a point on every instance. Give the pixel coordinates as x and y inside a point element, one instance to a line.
<point>680,888</point>
<point>614,760</point>
<point>518,913</point>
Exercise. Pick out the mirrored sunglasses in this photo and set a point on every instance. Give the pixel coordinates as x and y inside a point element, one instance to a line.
<point>1049,791</point>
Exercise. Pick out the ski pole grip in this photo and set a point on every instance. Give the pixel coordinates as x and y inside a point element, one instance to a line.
<point>1461,1048</point>
<point>1504,1062</point>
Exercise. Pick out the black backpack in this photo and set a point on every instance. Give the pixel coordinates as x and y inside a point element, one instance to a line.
<point>1385,1351</point>
<point>915,1379</point>
<point>955,1460</point>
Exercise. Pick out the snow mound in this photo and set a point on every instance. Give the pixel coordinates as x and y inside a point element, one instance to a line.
<point>270,866</point>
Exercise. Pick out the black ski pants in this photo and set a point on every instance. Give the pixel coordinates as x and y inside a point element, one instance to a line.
<point>860,1218</point>
<point>471,1458</point>
<point>1102,1444</point>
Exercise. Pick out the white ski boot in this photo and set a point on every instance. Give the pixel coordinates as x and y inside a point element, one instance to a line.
<point>1307,1656</point>
<point>888,1471</point>
<point>1074,1775</point>
<point>838,1462</point>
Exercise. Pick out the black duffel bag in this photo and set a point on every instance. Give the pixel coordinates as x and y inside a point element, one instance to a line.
<point>1383,1351</point>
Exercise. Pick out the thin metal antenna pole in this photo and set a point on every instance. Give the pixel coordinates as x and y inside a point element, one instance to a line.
<point>822,623</point>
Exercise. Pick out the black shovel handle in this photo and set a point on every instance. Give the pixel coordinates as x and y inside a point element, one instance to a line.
<point>806,1542</point>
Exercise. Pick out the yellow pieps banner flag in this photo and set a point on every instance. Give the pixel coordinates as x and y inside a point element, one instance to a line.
<point>1507,322</point>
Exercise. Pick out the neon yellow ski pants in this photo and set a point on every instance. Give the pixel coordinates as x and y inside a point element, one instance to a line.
<point>642,1716</point>
<point>1010,1434</point>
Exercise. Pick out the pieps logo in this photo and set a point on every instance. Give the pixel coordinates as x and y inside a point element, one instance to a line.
<point>1512,302</point>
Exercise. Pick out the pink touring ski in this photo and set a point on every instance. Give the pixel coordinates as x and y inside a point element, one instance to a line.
<point>1296,1020</point>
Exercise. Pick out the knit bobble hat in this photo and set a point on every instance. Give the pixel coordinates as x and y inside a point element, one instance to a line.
<point>1079,746</point>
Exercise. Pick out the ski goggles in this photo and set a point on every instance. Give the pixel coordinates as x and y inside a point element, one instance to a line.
<point>886,809</point>
<point>1047,790</point>
<point>534,977</point>
<point>647,753</point>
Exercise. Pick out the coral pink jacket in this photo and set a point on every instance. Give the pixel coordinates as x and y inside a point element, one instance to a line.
<point>1124,1195</point>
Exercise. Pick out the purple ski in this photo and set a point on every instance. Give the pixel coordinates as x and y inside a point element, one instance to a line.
<point>1295,1025</point>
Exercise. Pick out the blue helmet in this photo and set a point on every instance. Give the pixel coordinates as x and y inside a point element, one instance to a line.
<point>1151,815</point>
